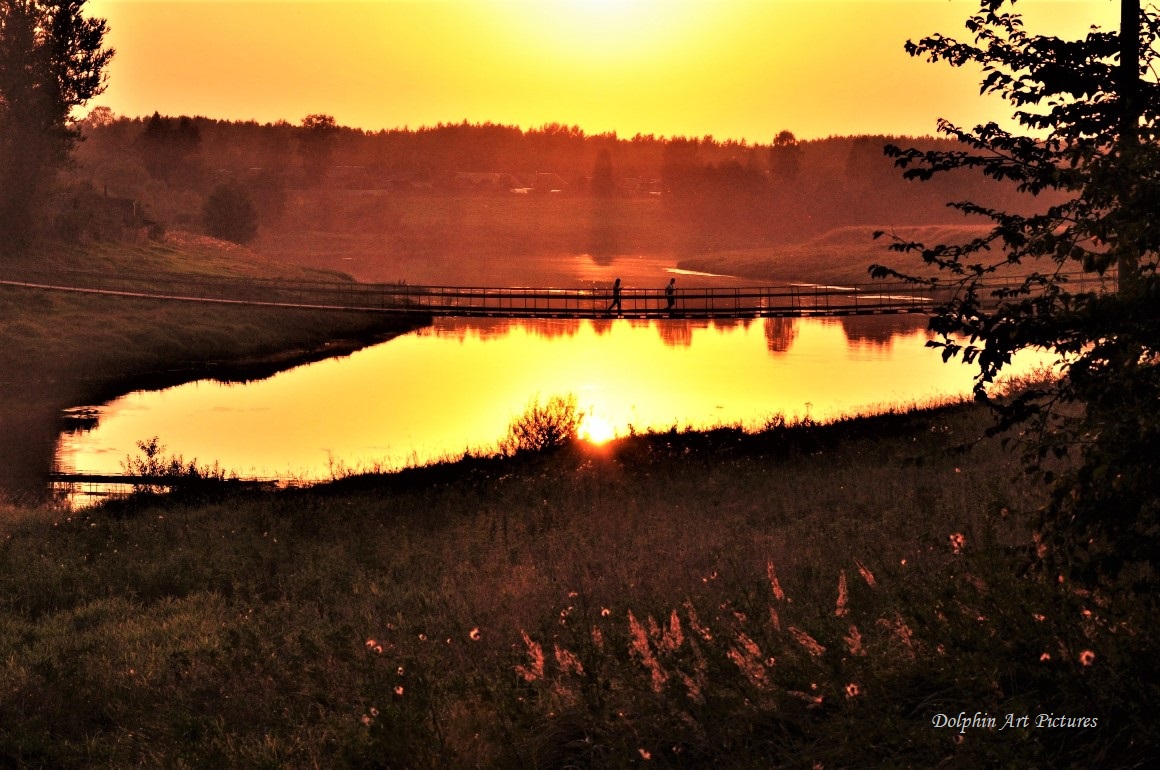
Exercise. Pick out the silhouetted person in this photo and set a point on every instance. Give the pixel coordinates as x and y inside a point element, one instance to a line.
<point>615,297</point>
<point>671,295</point>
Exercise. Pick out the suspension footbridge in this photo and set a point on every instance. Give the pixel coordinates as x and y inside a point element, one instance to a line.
<point>791,300</point>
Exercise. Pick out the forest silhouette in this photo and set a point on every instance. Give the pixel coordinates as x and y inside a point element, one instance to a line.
<point>470,202</point>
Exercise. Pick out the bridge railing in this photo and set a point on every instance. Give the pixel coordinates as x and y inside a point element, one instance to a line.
<point>598,301</point>
<point>593,301</point>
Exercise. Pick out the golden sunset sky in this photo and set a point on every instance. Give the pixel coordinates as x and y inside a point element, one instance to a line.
<point>735,69</point>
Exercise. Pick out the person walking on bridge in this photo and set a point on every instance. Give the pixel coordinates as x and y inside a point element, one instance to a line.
<point>671,295</point>
<point>616,298</point>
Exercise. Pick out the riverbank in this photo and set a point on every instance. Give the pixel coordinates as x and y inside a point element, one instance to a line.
<point>807,596</point>
<point>59,350</point>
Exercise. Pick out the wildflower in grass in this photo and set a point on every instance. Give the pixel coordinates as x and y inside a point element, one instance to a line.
<point>691,687</point>
<point>1045,657</point>
<point>843,595</point>
<point>563,695</point>
<point>672,636</point>
<point>957,541</point>
<point>645,755</point>
<point>605,612</point>
<point>374,711</point>
<point>866,574</point>
<point>399,671</point>
<point>474,634</point>
<point>774,619</point>
<point>852,690</point>
<point>747,657</point>
<point>854,641</point>
<point>641,649</point>
<point>422,637</point>
<point>1087,657</point>
<point>568,662</point>
<point>805,640</point>
<point>813,701</point>
<point>774,585</point>
<point>371,644</point>
<point>399,690</point>
<point>695,624</point>
<point>535,670</point>
<point>366,720</point>
<point>901,631</point>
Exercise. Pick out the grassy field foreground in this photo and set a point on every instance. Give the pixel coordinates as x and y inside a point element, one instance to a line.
<point>813,596</point>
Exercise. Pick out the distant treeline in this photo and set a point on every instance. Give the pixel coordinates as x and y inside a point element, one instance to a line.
<point>169,167</point>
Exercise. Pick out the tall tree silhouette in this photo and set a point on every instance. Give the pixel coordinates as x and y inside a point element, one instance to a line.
<point>169,149</point>
<point>316,146</point>
<point>1092,121</point>
<point>52,60</point>
<point>229,213</point>
<point>785,156</point>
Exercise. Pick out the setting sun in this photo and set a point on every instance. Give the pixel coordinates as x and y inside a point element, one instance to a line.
<point>596,430</point>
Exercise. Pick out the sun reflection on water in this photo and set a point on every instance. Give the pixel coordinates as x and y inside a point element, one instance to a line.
<point>430,396</point>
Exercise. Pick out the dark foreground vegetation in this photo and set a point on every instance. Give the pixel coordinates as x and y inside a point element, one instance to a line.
<point>810,596</point>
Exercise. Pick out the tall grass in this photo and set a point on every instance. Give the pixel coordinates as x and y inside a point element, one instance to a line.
<point>810,595</point>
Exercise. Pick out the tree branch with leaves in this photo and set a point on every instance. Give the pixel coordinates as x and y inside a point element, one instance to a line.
<point>1087,113</point>
<point>52,60</point>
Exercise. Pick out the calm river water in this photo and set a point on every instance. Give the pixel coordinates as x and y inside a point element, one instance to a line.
<point>456,386</point>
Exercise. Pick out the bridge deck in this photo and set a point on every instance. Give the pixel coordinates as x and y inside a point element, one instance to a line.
<point>499,302</point>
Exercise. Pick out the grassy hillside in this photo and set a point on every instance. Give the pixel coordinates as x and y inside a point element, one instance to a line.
<point>842,255</point>
<point>64,337</point>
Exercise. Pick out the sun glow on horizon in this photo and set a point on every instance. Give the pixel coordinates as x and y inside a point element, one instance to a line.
<point>595,429</point>
<point>733,69</point>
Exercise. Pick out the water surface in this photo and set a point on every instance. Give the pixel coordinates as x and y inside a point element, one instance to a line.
<point>455,387</point>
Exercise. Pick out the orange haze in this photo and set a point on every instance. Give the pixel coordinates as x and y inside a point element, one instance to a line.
<point>736,69</point>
